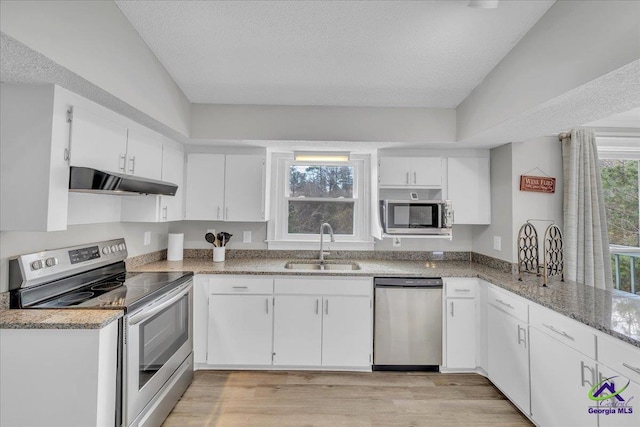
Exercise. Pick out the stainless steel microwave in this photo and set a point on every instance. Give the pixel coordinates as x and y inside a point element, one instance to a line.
<point>424,217</point>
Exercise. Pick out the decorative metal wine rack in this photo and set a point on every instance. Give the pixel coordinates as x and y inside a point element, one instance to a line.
<point>529,254</point>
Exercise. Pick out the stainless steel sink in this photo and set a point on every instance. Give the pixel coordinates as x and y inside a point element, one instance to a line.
<point>326,266</point>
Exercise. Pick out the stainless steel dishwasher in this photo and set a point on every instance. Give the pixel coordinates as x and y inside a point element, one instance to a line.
<point>408,323</point>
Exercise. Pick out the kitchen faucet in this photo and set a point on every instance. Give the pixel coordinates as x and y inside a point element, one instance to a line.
<point>322,227</point>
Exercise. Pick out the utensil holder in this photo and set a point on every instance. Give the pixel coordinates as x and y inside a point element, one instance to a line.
<point>218,254</point>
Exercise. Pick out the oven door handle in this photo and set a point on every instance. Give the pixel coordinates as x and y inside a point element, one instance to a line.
<point>150,311</point>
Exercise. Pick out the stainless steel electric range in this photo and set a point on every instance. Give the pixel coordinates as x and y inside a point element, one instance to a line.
<point>156,340</point>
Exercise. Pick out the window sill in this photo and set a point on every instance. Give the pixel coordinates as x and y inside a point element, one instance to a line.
<point>315,245</point>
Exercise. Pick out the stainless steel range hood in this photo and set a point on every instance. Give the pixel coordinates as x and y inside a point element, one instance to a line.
<point>88,180</point>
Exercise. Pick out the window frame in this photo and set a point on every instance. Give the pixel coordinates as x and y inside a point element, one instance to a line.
<point>278,228</point>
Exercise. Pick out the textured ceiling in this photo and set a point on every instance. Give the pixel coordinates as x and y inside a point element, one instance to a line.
<point>342,53</point>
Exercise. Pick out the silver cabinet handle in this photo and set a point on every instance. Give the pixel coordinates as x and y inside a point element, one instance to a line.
<point>226,215</point>
<point>122,163</point>
<point>563,333</point>
<point>407,177</point>
<point>266,305</point>
<point>132,164</point>
<point>326,309</point>
<point>317,305</point>
<point>218,216</point>
<point>582,379</point>
<point>504,303</point>
<point>451,308</point>
<point>240,287</point>
<point>523,340</point>
<point>164,213</point>
<point>462,290</point>
<point>415,177</point>
<point>633,368</point>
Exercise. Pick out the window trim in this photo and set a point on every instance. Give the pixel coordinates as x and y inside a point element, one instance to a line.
<point>278,236</point>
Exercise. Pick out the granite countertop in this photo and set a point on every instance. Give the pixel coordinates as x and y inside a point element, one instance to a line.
<point>57,319</point>
<point>612,312</point>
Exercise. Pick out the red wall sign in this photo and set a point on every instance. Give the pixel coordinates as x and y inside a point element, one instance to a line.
<point>539,184</point>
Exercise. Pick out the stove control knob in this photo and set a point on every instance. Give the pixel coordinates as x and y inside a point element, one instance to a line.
<point>114,248</point>
<point>106,250</point>
<point>51,261</point>
<point>121,247</point>
<point>37,265</point>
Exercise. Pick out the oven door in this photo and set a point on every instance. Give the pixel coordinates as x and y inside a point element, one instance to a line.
<point>159,338</point>
<point>413,218</point>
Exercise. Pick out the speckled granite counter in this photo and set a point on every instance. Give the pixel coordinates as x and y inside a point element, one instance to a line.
<point>57,319</point>
<point>612,312</point>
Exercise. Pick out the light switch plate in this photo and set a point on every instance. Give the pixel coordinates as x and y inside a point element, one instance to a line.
<point>497,243</point>
<point>246,237</point>
<point>147,238</point>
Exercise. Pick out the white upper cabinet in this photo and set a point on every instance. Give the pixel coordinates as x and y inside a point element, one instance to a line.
<point>34,172</point>
<point>244,188</point>
<point>98,142</point>
<point>416,172</point>
<point>469,189</point>
<point>144,154</point>
<point>173,172</point>
<point>225,187</point>
<point>205,187</point>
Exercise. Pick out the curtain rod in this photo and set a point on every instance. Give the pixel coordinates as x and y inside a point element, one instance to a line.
<point>564,135</point>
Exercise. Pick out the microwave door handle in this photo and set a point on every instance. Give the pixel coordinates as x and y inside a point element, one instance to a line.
<point>145,314</point>
<point>384,217</point>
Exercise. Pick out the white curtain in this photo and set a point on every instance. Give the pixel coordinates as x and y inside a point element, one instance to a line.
<point>586,242</point>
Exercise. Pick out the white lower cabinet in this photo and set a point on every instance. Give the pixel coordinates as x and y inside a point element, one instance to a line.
<point>623,409</point>
<point>346,331</point>
<point>508,355</point>
<point>297,330</point>
<point>461,333</point>
<point>240,330</point>
<point>561,378</point>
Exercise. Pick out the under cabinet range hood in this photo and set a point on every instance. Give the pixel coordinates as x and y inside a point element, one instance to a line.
<point>88,180</point>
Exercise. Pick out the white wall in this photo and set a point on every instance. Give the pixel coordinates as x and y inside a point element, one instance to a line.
<point>14,243</point>
<point>510,207</point>
<point>575,42</point>
<point>251,122</point>
<point>94,40</point>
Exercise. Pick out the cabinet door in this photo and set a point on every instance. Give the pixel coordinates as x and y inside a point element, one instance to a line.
<point>97,142</point>
<point>200,318</point>
<point>240,330</point>
<point>395,171</point>
<point>508,356</point>
<point>461,333</point>
<point>626,405</point>
<point>297,330</point>
<point>205,186</point>
<point>173,171</point>
<point>346,331</point>
<point>468,186</point>
<point>560,381</point>
<point>244,194</point>
<point>426,172</point>
<point>144,154</point>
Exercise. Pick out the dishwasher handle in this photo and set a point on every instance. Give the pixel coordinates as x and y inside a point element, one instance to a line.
<point>410,286</point>
<point>408,282</point>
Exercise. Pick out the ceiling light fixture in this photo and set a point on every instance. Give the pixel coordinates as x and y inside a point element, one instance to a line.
<point>321,156</point>
<point>483,4</point>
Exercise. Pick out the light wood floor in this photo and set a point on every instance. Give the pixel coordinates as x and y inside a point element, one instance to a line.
<point>380,399</point>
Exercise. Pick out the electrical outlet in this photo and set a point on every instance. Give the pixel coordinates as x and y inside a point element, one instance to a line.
<point>396,242</point>
<point>497,243</point>
<point>147,238</point>
<point>246,237</point>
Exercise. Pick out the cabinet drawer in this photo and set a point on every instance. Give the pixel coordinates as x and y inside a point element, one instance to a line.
<point>574,334</point>
<point>323,286</point>
<point>460,288</point>
<point>508,303</point>
<point>241,285</point>
<point>619,356</point>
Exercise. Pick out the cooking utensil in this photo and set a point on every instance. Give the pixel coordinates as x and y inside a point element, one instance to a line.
<point>209,237</point>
